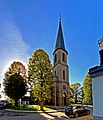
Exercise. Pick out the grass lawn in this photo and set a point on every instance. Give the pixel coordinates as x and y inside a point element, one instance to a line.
<point>30,108</point>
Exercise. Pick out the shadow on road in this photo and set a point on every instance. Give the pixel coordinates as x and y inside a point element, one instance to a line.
<point>56,117</point>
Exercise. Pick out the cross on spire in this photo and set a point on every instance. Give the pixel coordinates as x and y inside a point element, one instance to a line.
<point>60,16</point>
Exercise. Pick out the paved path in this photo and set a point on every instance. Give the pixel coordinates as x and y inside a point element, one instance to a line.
<point>40,116</point>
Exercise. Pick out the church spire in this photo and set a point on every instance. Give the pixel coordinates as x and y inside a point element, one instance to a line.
<point>60,39</point>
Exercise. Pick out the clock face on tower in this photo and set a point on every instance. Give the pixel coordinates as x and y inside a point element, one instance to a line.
<point>100,43</point>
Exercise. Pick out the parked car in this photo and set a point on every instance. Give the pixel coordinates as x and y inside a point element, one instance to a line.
<point>75,111</point>
<point>6,104</point>
<point>1,105</point>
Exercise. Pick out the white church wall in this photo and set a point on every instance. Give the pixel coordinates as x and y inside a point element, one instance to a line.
<point>97,85</point>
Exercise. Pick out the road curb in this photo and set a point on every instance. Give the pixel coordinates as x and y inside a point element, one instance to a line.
<point>24,111</point>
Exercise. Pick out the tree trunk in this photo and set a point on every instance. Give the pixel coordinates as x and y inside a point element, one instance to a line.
<point>16,103</point>
<point>41,103</point>
<point>76,98</point>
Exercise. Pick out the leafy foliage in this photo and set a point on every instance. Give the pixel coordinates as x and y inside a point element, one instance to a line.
<point>16,67</point>
<point>87,89</point>
<point>15,87</point>
<point>15,84</point>
<point>75,91</point>
<point>40,75</point>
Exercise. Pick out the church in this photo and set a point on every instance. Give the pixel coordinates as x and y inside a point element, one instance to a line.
<point>60,71</point>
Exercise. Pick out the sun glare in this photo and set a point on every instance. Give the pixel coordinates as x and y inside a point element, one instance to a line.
<point>10,62</point>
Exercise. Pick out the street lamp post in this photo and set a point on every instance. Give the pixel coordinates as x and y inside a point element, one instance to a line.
<point>55,94</point>
<point>63,98</point>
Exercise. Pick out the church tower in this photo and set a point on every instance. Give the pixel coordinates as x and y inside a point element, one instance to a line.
<point>60,71</point>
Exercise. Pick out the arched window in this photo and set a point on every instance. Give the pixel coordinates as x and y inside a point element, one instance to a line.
<point>55,58</point>
<point>55,73</point>
<point>63,74</point>
<point>63,57</point>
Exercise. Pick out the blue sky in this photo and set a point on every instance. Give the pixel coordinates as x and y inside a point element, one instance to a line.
<point>26,25</point>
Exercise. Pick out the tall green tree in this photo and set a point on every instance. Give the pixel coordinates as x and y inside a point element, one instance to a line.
<point>87,88</point>
<point>15,87</point>
<point>75,91</point>
<point>40,76</point>
<point>15,83</point>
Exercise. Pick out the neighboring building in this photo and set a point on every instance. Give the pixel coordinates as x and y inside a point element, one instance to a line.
<point>60,71</point>
<point>96,73</point>
<point>25,100</point>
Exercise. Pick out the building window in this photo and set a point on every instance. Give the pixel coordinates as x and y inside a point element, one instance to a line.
<point>55,73</point>
<point>64,74</point>
<point>63,57</point>
<point>55,58</point>
<point>64,87</point>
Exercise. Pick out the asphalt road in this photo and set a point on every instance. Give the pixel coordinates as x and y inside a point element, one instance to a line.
<point>40,116</point>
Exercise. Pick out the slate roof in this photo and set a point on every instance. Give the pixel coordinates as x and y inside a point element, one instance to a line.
<point>60,39</point>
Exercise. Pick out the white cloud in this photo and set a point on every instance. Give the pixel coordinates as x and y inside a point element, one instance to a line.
<point>12,46</point>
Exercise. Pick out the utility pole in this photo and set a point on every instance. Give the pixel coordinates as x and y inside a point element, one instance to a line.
<point>55,95</point>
